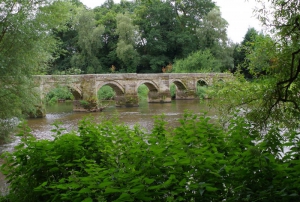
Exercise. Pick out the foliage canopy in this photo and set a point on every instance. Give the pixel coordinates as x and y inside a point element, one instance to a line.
<point>142,36</point>
<point>274,62</point>
<point>26,48</point>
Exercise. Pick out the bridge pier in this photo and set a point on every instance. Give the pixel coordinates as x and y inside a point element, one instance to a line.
<point>128,100</point>
<point>159,97</point>
<point>77,107</point>
<point>185,95</point>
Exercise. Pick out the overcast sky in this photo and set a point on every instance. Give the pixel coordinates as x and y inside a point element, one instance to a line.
<point>238,13</point>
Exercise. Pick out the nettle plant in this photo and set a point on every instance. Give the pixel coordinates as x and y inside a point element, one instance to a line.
<point>195,161</point>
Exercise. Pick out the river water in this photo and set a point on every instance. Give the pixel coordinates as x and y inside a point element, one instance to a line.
<point>142,115</point>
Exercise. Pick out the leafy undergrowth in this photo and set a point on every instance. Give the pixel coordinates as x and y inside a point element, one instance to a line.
<point>196,161</point>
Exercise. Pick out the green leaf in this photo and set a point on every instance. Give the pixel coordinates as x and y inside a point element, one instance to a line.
<point>149,181</point>
<point>84,190</point>
<point>170,163</point>
<point>157,187</point>
<point>105,184</point>
<point>182,182</point>
<point>185,161</point>
<point>137,189</point>
<point>111,190</point>
<point>125,197</point>
<point>44,184</point>
<point>212,189</point>
<point>88,200</point>
<point>54,169</point>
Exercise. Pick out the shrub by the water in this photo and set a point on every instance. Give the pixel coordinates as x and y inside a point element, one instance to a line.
<point>60,92</point>
<point>143,92</point>
<point>106,93</point>
<point>173,90</point>
<point>196,161</point>
<point>202,92</point>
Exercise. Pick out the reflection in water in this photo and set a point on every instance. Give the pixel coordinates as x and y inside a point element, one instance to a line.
<point>142,115</point>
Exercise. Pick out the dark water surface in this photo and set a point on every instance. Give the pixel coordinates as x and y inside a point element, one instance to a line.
<point>142,115</point>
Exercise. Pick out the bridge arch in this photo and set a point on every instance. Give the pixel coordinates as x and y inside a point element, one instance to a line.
<point>202,82</point>
<point>179,84</point>
<point>182,91</point>
<point>76,92</point>
<point>119,89</point>
<point>150,84</point>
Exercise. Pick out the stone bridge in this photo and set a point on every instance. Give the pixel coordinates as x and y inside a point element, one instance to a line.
<point>86,86</point>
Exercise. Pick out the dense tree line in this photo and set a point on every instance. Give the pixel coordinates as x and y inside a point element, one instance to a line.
<point>142,36</point>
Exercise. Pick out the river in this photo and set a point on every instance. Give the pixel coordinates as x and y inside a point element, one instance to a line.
<point>142,115</point>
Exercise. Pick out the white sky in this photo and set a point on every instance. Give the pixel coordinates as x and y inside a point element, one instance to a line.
<point>238,13</point>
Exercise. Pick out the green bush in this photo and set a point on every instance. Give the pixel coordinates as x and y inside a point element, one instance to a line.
<point>106,93</point>
<point>173,90</point>
<point>203,92</point>
<point>60,92</point>
<point>200,61</point>
<point>143,92</point>
<point>195,161</point>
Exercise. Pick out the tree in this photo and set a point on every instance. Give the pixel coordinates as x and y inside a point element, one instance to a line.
<point>105,16</point>
<point>282,98</point>
<point>261,57</point>
<point>190,13</point>
<point>273,98</point>
<point>158,30</point>
<point>212,35</point>
<point>127,40</point>
<point>26,47</point>
<point>89,41</point>
<point>212,31</point>
<point>240,52</point>
<point>167,30</point>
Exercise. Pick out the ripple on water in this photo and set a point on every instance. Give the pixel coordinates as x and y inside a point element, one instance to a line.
<point>9,147</point>
<point>56,116</point>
